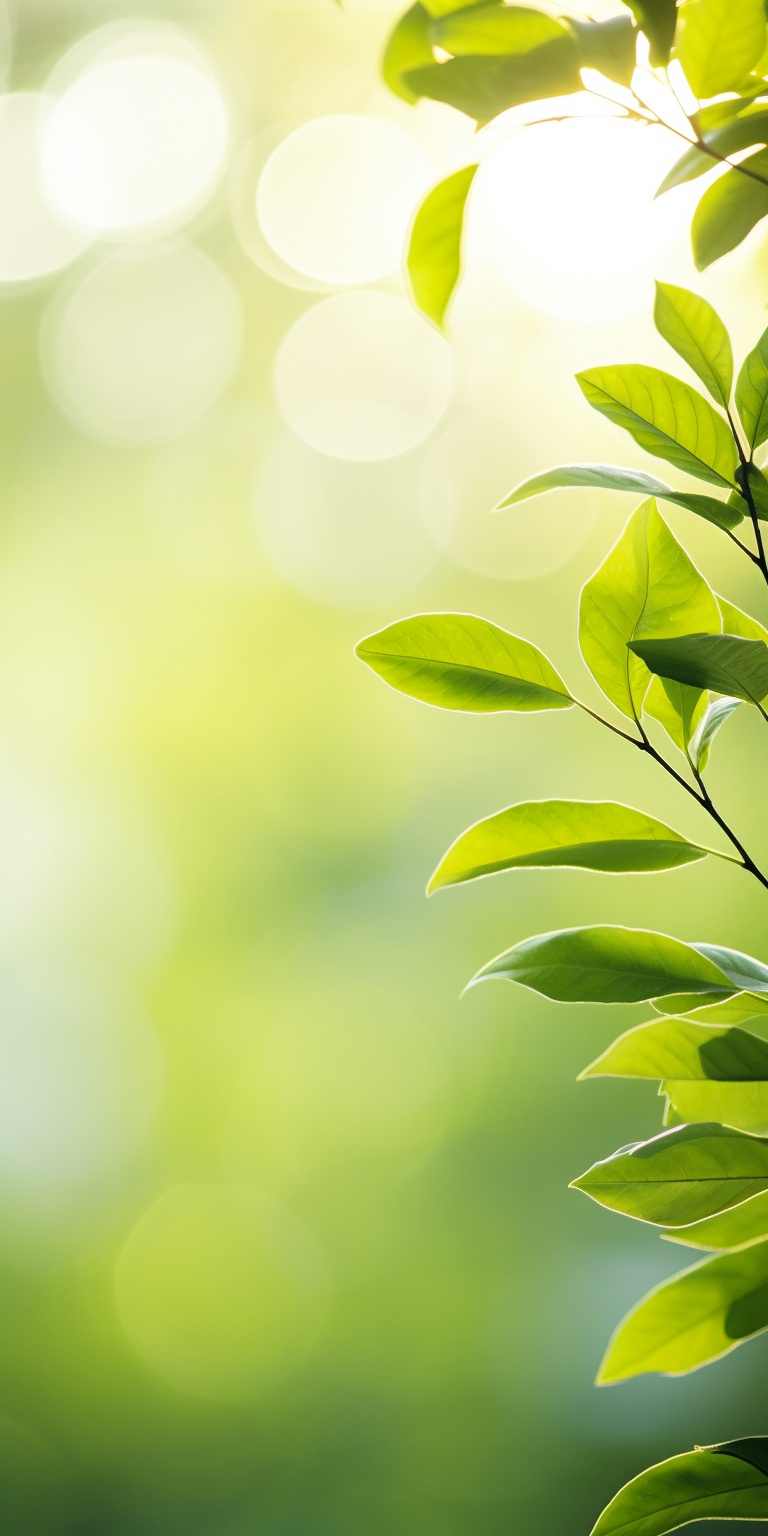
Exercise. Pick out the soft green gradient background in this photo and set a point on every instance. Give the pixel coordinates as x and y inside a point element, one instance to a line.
<point>218,814</point>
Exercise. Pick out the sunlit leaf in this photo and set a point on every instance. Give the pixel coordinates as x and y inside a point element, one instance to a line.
<point>665,417</point>
<point>609,46</point>
<point>482,86</point>
<point>718,43</point>
<point>613,477</point>
<point>752,392</point>
<point>583,834</point>
<point>433,259</point>
<point>742,970</point>
<point>744,1105</point>
<point>729,209</point>
<point>735,134</point>
<point>709,1484</point>
<point>408,47</point>
<point>646,586</point>
<point>714,716</point>
<point>676,707</point>
<point>681,1175</point>
<point>743,1224</point>
<point>494,29</point>
<point>726,663</point>
<point>758,490</point>
<point>678,1048</point>
<point>740,1008</point>
<point>695,1317</point>
<point>697,333</point>
<point>443,7</point>
<point>607,965</point>
<point>459,661</point>
<point>737,622</point>
<point>657,19</point>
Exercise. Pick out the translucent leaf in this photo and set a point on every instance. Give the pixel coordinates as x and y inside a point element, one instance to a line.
<point>665,417</point>
<point>737,133</point>
<point>744,1105</point>
<point>459,661</point>
<point>681,1049</point>
<point>408,47</point>
<point>646,586</point>
<point>494,30</point>
<point>582,834</point>
<point>697,333</point>
<point>695,1317</point>
<point>714,716</point>
<point>729,209</point>
<point>724,663</point>
<point>433,259</point>
<point>483,86</point>
<point>609,46</point>
<point>681,1175</point>
<point>613,477</point>
<point>718,43</point>
<point>743,1224</point>
<point>716,1483</point>
<point>657,19</point>
<point>752,392</point>
<point>676,707</point>
<point>608,965</point>
<point>738,1009</point>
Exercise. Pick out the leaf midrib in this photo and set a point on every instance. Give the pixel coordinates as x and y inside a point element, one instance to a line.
<point>464,666</point>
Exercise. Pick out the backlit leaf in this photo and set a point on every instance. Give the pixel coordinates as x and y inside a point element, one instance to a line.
<point>744,1105</point>
<point>681,1175</point>
<point>752,392</point>
<point>738,133</point>
<point>715,715</point>
<point>433,260</point>
<point>729,209</point>
<point>737,622</point>
<point>739,1009</point>
<point>609,46</point>
<point>646,586</point>
<point>695,1317</point>
<point>459,661</point>
<point>607,964</point>
<point>697,333</point>
<point>677,708</point>
<point>482,86</point>
<point>583,834</point>
<point>726,663</point>
<point>679,1048</point>
<point>613,477</point>
<point>657,19</point>
<point>408,47</point>
<point>742,970</point>
<point>665,417</point>
<point>494,29</point>
<point>743,1224</point>
<point>715,1483</point>
<point>719,42</point>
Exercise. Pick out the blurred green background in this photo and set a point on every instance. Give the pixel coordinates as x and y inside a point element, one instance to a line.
<point>288,1242</point>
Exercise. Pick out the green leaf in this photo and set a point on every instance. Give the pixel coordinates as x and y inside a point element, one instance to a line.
<point>758,486</point>
<point>665,417</point>
<point>458,661</point>
<point>742,970</point>
<point>677,708</point>
<point>736,622</point>
<point>752,392</point>
<point>492,30</point>
<point>743,1105</point>
<point>719,42</point>
<point>443,7</point>
<point>607,964</point>
<point>697,333</point>
<point>646,586</point>
<point>482,86</point>
<point>729,209</point>
<point>715,715</point>
<point>695,1317</point>
<point>609,46</point>
<point>581,834</point>
<point>711,1484</point>
<point>408,47</point>
<point>680,1176</point>
<point>737,133</point>
<point>725,663</point>
<point>738,1009</point>
<point>657,19</point>
<point>679,1049</point>
<point>743,1224</point>
<point>613,477</point>
<point>434,256</point>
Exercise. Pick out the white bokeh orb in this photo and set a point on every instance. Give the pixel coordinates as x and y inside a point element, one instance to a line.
<point>34,239</point>
<point>81,1077</point>
<point>345,534</point>
<point>137,139</point>
<point>144,345</point>
<point>571,204</point>
<point>335,197</point>
<point>360,376</point>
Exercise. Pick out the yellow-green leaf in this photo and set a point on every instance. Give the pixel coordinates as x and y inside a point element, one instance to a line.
<point>433,259</point>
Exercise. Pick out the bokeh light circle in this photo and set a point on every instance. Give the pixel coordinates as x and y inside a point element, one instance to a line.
<point>577,230</point>
<point>463,477</point>
<point>81,1076</point>
<point>335,197</point>
<point>34,240</point>
<point>221,1290</point>
<point>144,345</point>
<point>360,376</point>
<point>243,186</point>
<point>137,139</point>
<point>345,534</point>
